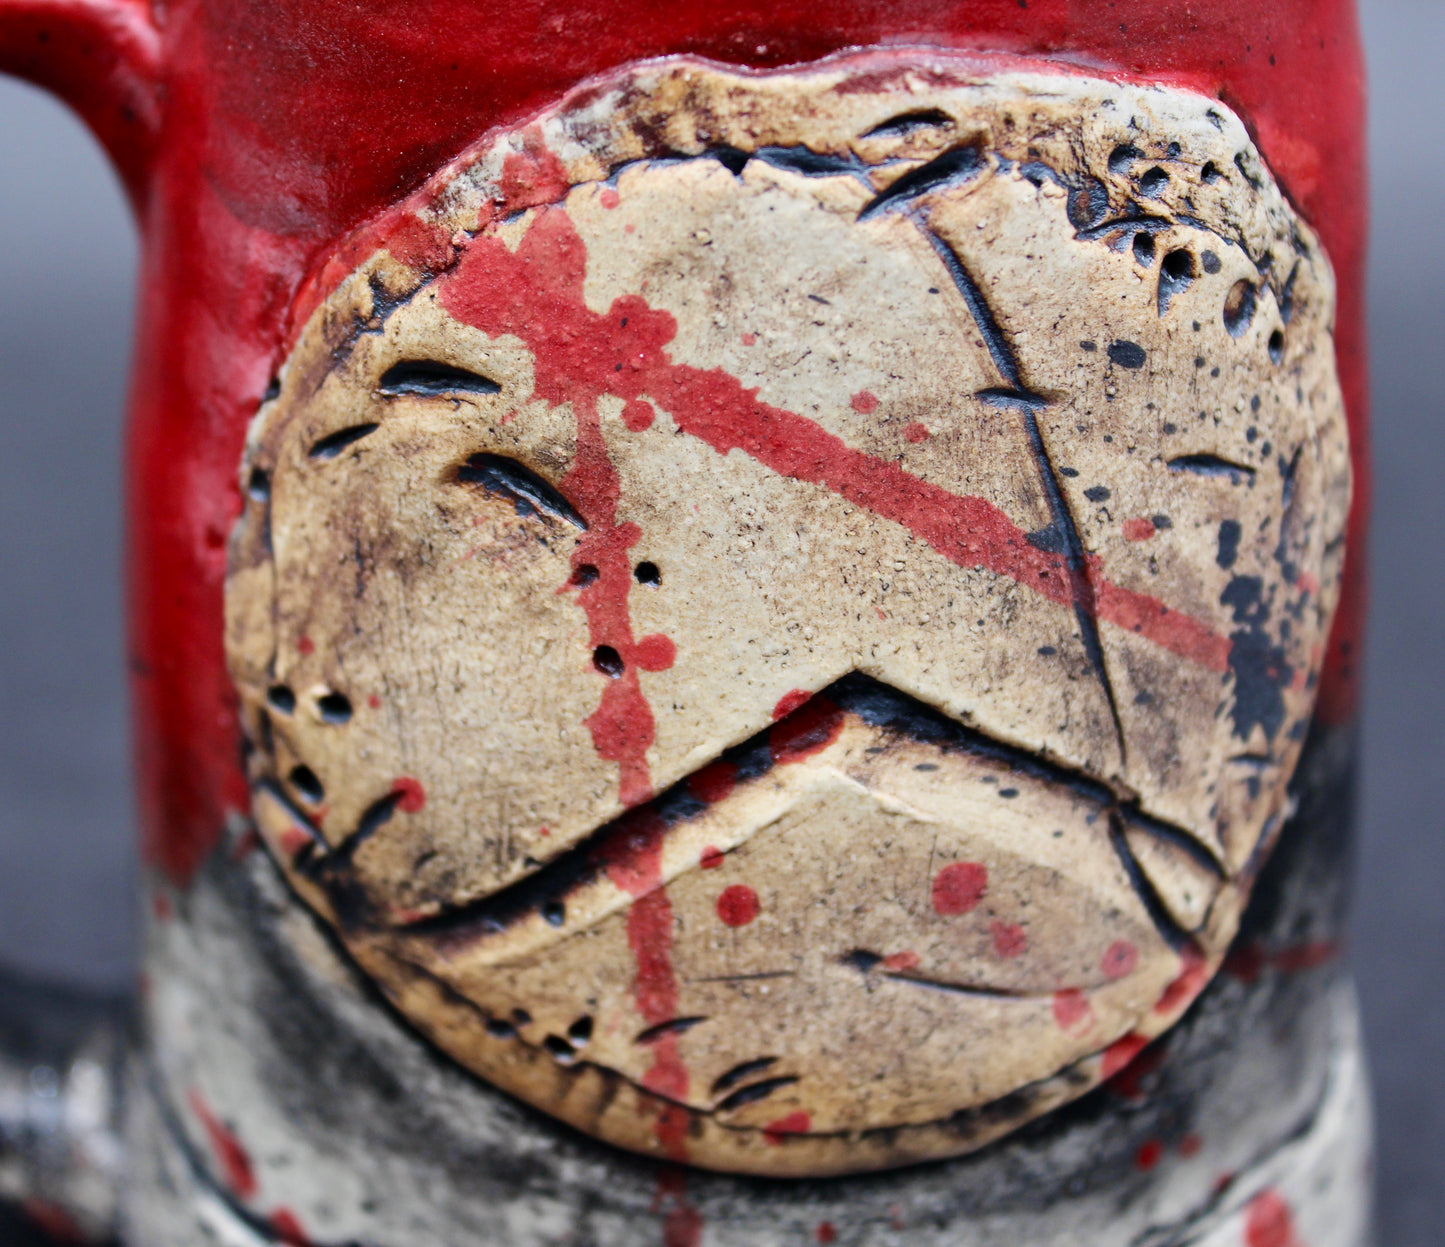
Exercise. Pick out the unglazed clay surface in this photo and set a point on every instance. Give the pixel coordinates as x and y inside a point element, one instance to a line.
<point>775,613</point>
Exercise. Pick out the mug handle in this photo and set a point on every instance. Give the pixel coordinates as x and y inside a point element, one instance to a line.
<point>62,1051</point>
<point>103,58</point>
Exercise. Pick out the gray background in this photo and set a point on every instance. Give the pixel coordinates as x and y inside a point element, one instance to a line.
<point>67,262</point>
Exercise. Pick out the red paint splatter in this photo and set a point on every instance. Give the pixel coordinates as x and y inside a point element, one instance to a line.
<point>1124,1068</point>
<point>916,432</point>
<point>1119,960</point>
<point>1306,956</point>
<point>235,1160</point>
<point>1245,963</point>
<point>609,198</point>
<point>738,905</point>
<point>806,731</point>
<point>750,339</point>
<point>959,887</point>
<point>1308,582</point>
<point>306,645</point>
<point>714,782</point>
<point>373,701</point>
<point>712,857</point>
<point>248,842</point>
<point>1009,939</point>
<point>420,244</point>
<point>1139,529</point>
<point>1268,1221</point>
<point>634,864</point>
<point>796,1122</point>
<point>901,961</point>
<point>294,838</point>
<point>638,415</point>
<point>1190,1145</point>
<point>412,796</point>
<point>825,1233</point>
<point>789,702</point>
<point>1072,1010</point>
<point>534,175</point>
<point>580,355</point>
<point>682,1224</point>
<point>544,831</point>
<point>536,293</point>
<point>288,1228</point>
<point>1192,978</point>
<point>1150,1153</point>
<point>865,402</point>
<point>54,1221</point>
<point>655,652</point>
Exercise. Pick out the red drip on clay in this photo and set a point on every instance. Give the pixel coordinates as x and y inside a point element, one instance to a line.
<point>235,1161</point>
<point>288,1228</point>
<point>682,1223</point>
<point>636,868</point>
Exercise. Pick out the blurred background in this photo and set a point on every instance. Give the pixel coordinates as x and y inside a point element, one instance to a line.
<point>67,265</point>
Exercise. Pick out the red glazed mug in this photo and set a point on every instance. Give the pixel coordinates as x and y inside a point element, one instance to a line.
<point>336,1044</point>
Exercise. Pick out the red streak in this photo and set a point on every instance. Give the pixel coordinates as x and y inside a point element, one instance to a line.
<point>537,294</point>
<point>288,1228</point>
<point>235,1160</point>
<point>636,868</point>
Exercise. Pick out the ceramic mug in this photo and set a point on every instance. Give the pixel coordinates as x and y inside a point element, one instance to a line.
<point>743,625</point>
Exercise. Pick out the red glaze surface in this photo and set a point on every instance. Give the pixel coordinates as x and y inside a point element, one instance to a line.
<point>253,136</point>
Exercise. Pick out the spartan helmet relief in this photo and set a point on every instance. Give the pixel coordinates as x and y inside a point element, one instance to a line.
<point>774,614</point>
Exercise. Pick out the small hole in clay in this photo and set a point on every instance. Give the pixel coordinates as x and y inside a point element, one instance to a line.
<point>1276,347</point>
<point>521,1017</point>
<point>580,1032</point>
<point>1239,308</point>
<point>1144,248</point>
<point>500,1029</point>
<point>281,698</point>
<point>307,786</point>
<point>1153,182</point>
<point>647,574</point>
<point>1176,275</point>
<point>1210,173</point>
<point>334,708</point>
<point>1122,157</point>
<point>584,575</point>
<point>560,1049</point>
<point>258,486</point>
<point>608,661</point>
<point>554,913</point>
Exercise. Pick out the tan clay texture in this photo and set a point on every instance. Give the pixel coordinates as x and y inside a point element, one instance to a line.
<point>775,614</point>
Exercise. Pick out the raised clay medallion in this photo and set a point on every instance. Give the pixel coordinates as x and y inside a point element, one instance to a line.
<point>775,613</point>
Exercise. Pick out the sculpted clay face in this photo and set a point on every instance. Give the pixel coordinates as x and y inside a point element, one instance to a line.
<point>775,613</point>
